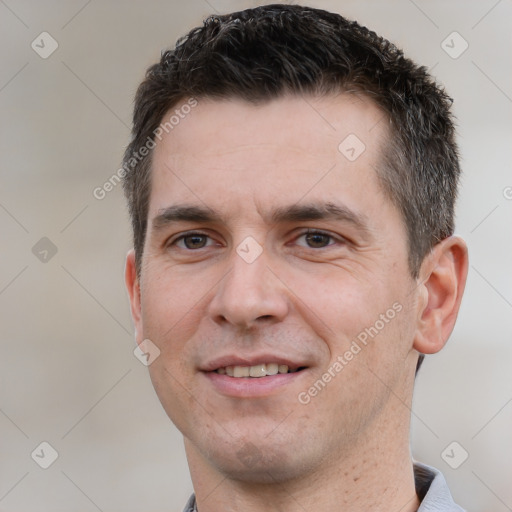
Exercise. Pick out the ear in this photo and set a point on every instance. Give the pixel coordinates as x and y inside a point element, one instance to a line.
<point>133,288</point>
<point>442,280</point>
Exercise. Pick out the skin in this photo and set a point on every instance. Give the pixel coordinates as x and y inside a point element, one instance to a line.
<point>303,297</point>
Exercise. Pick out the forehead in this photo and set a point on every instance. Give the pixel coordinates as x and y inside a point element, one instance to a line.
<point>282,149</point>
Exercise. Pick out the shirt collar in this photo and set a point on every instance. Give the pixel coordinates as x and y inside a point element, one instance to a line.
<point>432,490</point>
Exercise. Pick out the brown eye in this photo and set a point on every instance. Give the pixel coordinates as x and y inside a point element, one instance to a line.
<point>316,240</point>
<point>192,241</point>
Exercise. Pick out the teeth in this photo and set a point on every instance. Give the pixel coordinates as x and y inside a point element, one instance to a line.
<point>272,368</point>
<point>241,371</point>
<point>258,370</point>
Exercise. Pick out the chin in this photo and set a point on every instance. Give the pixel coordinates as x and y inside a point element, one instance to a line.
<point>254,448</point>
<point>251,465</point>
<point>260,459</point>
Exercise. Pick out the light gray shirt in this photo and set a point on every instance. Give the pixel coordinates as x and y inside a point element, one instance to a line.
<point>431,489</point>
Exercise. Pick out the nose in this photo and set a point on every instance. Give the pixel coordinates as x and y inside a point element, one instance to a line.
<point>250,294</point>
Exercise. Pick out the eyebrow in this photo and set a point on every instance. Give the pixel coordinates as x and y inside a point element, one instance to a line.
<point>285,214</point>
<point>184,213</point>
<point>320,211</point>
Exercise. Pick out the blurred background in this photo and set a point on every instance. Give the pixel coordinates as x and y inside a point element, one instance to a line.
<point>68,375</point>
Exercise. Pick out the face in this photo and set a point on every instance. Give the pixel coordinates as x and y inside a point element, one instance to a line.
<point>271,245</point>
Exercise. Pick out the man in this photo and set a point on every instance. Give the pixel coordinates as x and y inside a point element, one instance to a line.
<point>291,183</point>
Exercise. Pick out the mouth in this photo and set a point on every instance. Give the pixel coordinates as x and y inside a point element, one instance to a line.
<point>257,371</point>
<point>253,377</point>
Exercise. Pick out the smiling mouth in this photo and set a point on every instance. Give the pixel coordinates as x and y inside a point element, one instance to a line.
<point>257,370</point>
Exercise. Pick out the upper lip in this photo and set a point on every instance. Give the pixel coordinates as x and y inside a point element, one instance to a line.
<point>252,360</point>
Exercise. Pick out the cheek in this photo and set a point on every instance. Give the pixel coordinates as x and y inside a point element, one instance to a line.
<point>170,308</point>
<point>345,305</point>
<point>170,318</point>
<point>171,388</point>
<point>367,325</point>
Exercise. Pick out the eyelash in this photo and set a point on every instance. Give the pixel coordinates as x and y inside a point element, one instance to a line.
<point>303,233</point>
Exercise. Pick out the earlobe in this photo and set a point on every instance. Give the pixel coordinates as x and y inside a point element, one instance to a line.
<point>443,278</point>
<point>133,289</point>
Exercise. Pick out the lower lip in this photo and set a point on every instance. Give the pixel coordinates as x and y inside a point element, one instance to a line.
<point>250,387</point>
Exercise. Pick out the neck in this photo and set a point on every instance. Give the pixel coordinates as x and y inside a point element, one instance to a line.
<point>375,474</point>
